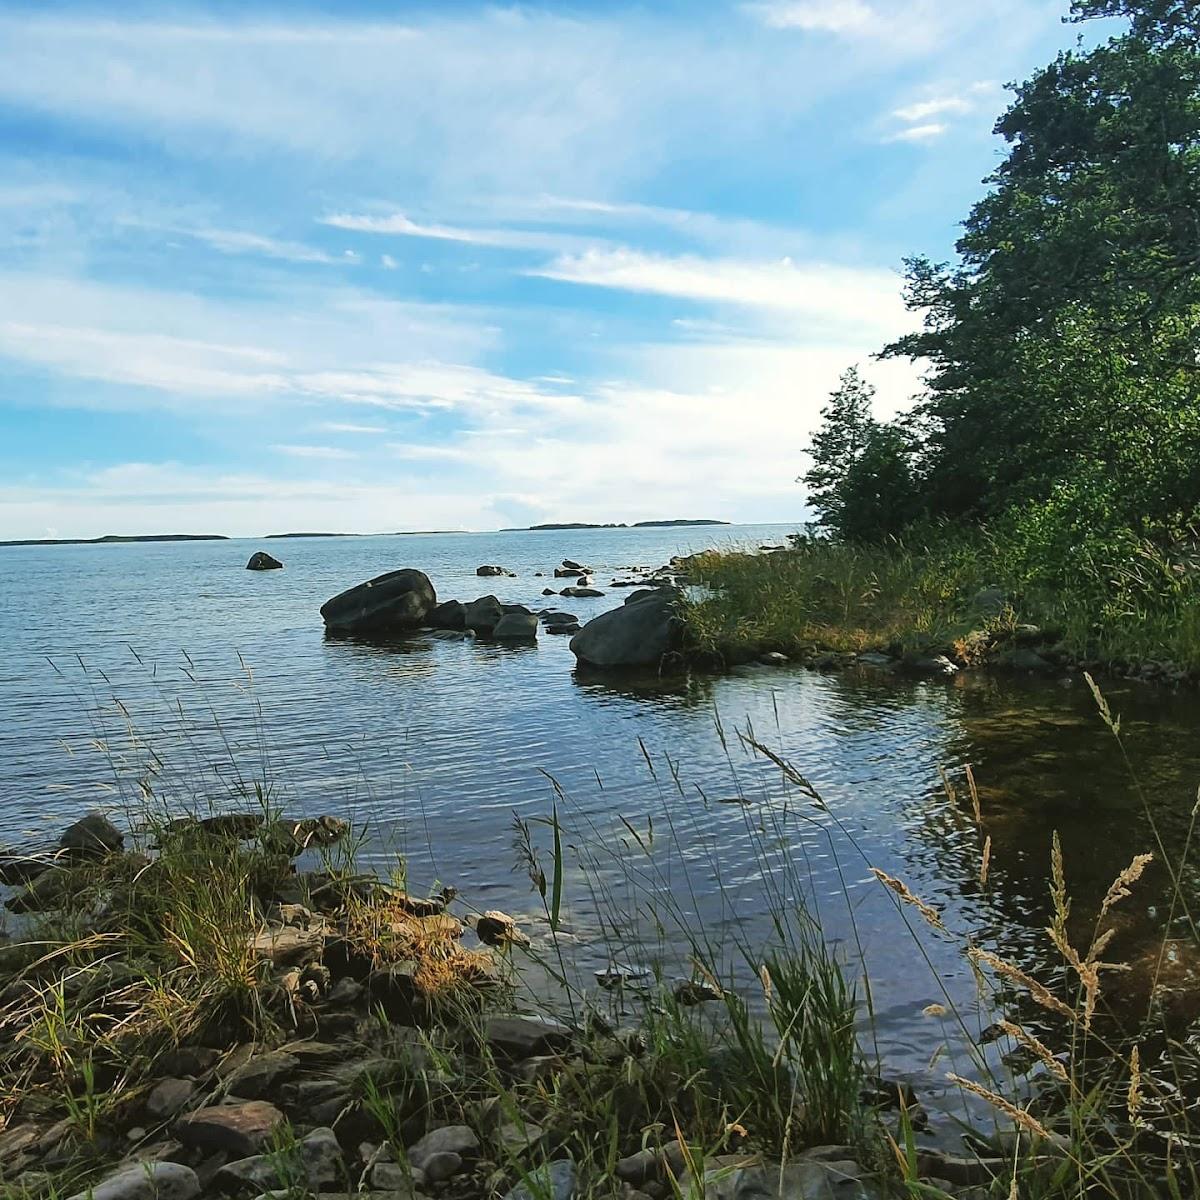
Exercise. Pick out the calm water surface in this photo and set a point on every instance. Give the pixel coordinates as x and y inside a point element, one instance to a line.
<point>173,664</point>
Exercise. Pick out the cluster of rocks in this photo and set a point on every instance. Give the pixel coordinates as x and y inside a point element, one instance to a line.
<point>643,632</point>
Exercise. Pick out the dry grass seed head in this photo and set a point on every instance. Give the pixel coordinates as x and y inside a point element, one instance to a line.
<point>1038,991</point>
<point>901,889</point>
<point>1121,885</point>
<point>985,861</point>
<point>1026,1120</point>
<point>1037,1047</point>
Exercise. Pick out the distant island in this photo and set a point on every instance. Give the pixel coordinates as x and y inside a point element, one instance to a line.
<point>610,525</point>
<point>109,538</point>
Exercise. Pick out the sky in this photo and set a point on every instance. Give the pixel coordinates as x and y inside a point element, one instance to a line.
<point>390,266</point>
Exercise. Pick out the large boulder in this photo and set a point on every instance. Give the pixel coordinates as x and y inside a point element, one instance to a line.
<point>638,634</point>
<point>388,603</point>
<point>260,560</point>
<point>92,836</point>
<point>450,614</point>
<point>515,627</point>
<point>483,615</point>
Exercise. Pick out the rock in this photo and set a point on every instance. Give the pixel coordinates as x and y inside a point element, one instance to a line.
<point>440,1153</point>
<point>483,615</point>
<point>873,658</point>
<point>22,868</point>
<point>189,1060</point>
<point>773,658</point>
<point>288,946</point>
<point>571,565</point>
<point>93,836</point>
<point>168,1098</point>
<point>569,572</point>
<point>49,890</point>
<point>294,837</point>
<point>392,1177</point>
<point>989,601</point>
<point>519,1037</point>
<point>1027,635</point>
<point>961,1170</point>
<point>496,928</point>
<point>639,633</point>
<point>573,627</point>
<point>316,1160</point>
<point>493,571</point>
<point>516,627</point>
<point>550,1181</point>
<point>15,1141</point>
<point>1024,659</point>
<point>450,614</point>
<point>346,993</point>
<point>259,1078</point>
<point>581,593</point>
<point>554,616</point>
<point>690,992</point>
<point>638,1168</point>
<point>236,1129</point>
<point>261,561</point>
<point>936,664</point>
<point>549,592</point>
<point>734,1177</point>
<point>389,603</point>
<point>146,1181</point>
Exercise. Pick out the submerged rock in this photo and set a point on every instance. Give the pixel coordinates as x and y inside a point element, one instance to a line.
<point>516,627</point>
<point>390,603</point>
<point>490,571</point>
<point>261,561</point>
<point>641,633</point>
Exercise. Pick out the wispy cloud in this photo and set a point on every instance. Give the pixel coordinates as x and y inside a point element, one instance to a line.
<point>919,133</point>
<point>924,109</point>
<point>823,16</point>
<point>232,241</point>
<point>398,225</point>
<point>320,452</point>
<point>348,427</point>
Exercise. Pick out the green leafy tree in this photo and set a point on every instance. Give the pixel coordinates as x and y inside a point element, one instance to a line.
<point>846,424</point>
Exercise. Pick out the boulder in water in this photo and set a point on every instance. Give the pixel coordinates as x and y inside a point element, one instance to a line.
<point>641,633</point>
<point>450,614</point>
<point>260,560</point>
<point>491,571</point>
<point>515,627</point>
<point>390,603</point>
<point>483,615</point>
<point>92,836</point>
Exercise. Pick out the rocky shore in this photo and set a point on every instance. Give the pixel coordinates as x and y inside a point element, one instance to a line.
<point>342,1036</point>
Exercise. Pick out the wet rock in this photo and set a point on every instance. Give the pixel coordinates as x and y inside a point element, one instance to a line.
<point>570,564</point>
<point>569,572</point>
<point>450,615</point>
<point>581,593</point>
<point>93,836</point>
<point>316,1160</point>
<point>1025,659</point>
<point>734,1177</point>
<point>262,1075</point>
<point>556,630</point>
<point>146,1181</point>
<point>22,868</point>
<point>639,633</point>
<point>235,1129</point>
<point>873,658</point>
<point>554,616</point>
<point>490,571</point>
<point>389,603</point>
<point>519,1037</point>
<point>516,627</point>
<point>551,1181</point>
<point>496,928</point>
<point>690,992</point>
<point>773,658</point>
<point>168,1098</point>
<point>930,664</point>
<point>293,837</point>
<point>549,592</point>
<point>483,615</point>
<point>260,560</point>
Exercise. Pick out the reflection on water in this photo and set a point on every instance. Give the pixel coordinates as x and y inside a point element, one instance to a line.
<point>437,743</point>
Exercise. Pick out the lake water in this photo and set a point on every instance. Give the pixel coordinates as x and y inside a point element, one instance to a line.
<point>171,664</point>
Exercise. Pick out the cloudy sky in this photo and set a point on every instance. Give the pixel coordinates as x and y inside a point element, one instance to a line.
<point>400,266</point>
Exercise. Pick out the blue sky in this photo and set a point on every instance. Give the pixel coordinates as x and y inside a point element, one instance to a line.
<point>389,266</point>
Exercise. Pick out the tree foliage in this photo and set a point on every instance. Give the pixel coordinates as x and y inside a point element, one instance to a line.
<point>1061,346</point>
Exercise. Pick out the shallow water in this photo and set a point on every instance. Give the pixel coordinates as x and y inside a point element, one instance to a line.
<point>171,663</point>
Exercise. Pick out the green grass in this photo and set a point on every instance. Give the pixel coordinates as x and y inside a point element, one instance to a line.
<point>1141,606</point>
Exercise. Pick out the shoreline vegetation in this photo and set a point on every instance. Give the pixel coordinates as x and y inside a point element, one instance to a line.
<point>229,1005</point>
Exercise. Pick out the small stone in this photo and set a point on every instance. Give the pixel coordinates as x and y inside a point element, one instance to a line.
<point>146,1181</point>
<point>14,1142</point>
<point>288,945</point>
<point>773,658</point>
<point>235,1129</point>
<point>459,1140</point>
<point>189,1060</point>
<point>316,1159</point>
<point>640,1167</point>
<point>496,928</point>
<point>260,1077</point>
<point>169,1098</point>
<point>392,1177</point>
<point>553,1181</point>
<point>443,1165</point>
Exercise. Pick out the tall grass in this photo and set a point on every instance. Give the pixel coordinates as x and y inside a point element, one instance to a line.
<point>1141,605</point>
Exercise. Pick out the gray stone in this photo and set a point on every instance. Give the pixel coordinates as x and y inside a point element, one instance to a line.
<point>516,627</point>
<point>569,572</point>
<point>490,571</point>
<point>520,1037</point>
<point>551,1181</point>
<point>169,1098</point>
<point>50,890</point>
<point>146,1181</point>
<point>573,627</point>
<point>443,1165</point>
<point>459,1140</point>
<point>483,615</point>
<point>496,928</point>
<point>92,836</point>
<point>581,593</point>
<point>260,560</point>
<point>773,658</point>
<point>400,1180</point>
<point>1024,659</point>
<point>554,616</point>
<point>571,565</point>
<point>1027,635</point>
<point>235,1129</point>
<point>287,946</point>
<point>930,664</point>
<point>640,633</point>
<point>638,1168</point>
<point>316,1161</point>
<point>873,658</point>
<point>734,1177</point>
<point>450,614</point>
<point>260,1077</point>
<point>389,603</point>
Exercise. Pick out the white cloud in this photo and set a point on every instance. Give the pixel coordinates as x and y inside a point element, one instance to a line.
<point>823,16</point>
<point>832,296</point>
<point>388,262</point>
<point>919,133</point>
<point>398,225</point>
<point>325,452</point>
<point>230,241</point>
<point>349,427</point>
<point>924,109</point>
